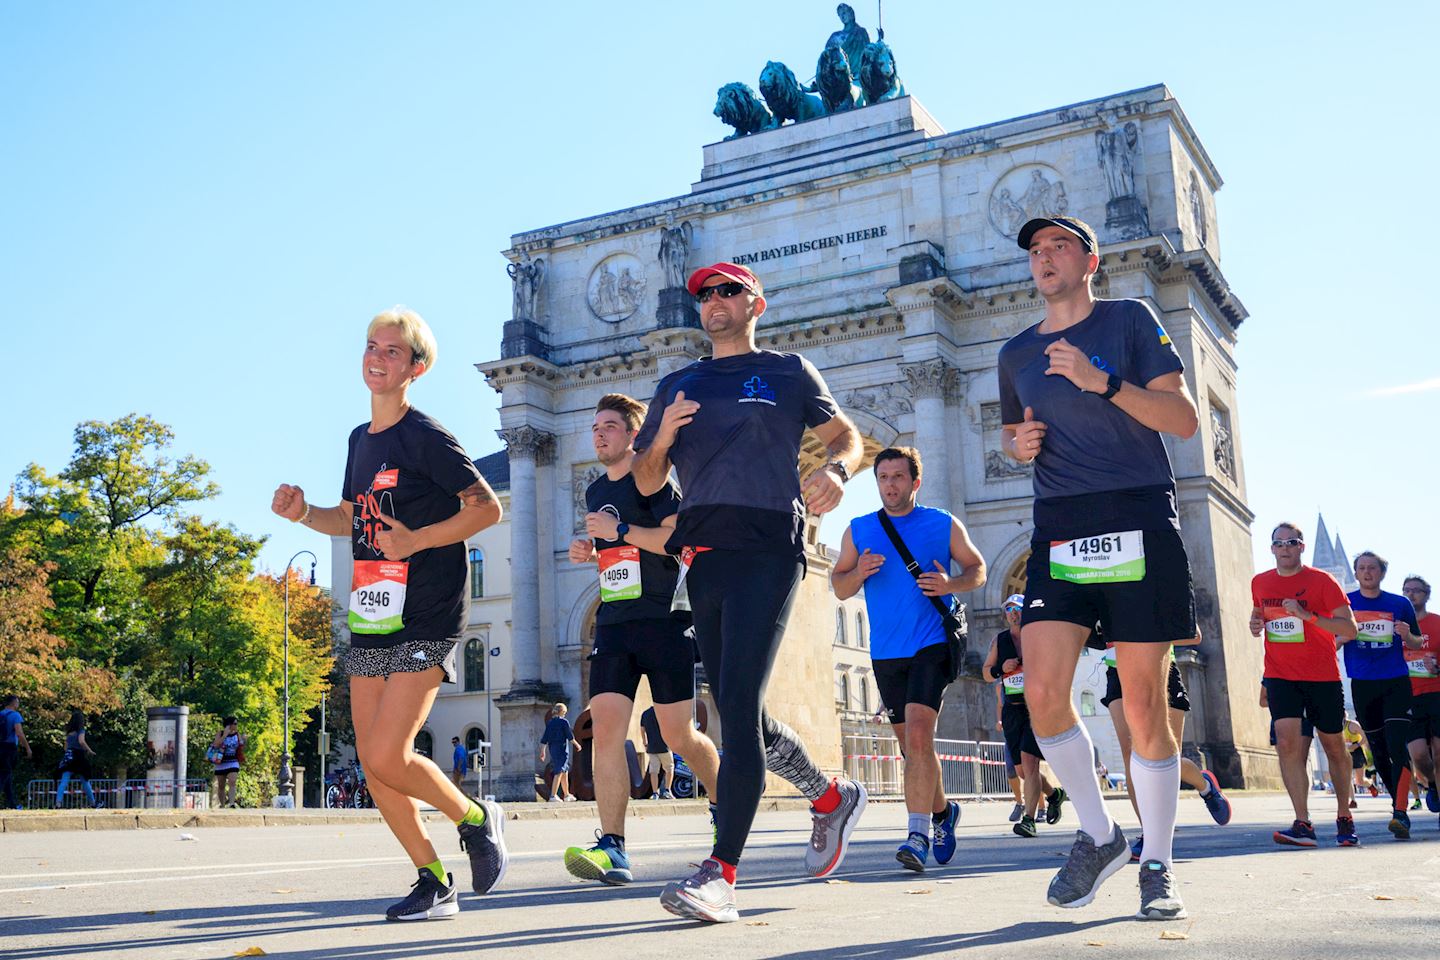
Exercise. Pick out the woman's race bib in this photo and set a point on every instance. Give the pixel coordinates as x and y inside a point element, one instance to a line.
<point>1283,627</point>
<point>620,574</point>
<point>377,596</point>
<point>1111,558</point>
<point>1377,629</point>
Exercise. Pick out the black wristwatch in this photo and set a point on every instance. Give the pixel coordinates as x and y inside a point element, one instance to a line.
<point>621,529</point>
<point>1114,383</point>
<point>840,467</point>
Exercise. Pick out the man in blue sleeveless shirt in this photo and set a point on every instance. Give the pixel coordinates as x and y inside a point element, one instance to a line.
<point>908,644</point>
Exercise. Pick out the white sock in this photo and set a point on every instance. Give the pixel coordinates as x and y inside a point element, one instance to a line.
<point>920,823</point>
<point>1157,794</point>
<point>1072,756</point>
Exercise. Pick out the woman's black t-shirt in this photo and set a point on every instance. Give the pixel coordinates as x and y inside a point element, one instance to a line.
<point>414,472</point>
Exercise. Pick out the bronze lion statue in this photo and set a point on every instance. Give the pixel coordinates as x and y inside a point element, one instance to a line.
<point>785,96</point>
<point>834,82</point>
<point>878,80</point>
<point>737,105</point>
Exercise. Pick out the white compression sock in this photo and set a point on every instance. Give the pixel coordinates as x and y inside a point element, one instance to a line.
<point>1072,756</point>
<point>1157,794</point>
<point>919,823</point>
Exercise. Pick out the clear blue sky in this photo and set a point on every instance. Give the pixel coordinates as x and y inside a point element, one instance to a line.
<point>204,203</point>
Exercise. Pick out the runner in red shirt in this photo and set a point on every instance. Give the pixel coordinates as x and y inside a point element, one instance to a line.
<point>1424,691</point>
<point>1300,611</point>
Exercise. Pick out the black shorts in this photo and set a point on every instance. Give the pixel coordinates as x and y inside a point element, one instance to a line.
<point>1175,689</point>
<point>1019,735</point>
<point>1357,759</point>
<point>1424,715</point>
<point>1378,702</point>
<point>660,649</point>
<point>1321,702</point>
<point>1160,608</point>
<point>921,678</point>
<point>408,656</point>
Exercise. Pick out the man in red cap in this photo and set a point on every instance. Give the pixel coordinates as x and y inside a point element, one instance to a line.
<point>731,425</point>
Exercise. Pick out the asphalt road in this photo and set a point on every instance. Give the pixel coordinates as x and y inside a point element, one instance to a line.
<point>320,891</point>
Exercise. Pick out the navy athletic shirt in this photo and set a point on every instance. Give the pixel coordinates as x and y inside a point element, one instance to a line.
<point>1099,470</point>
<point>1378,653</point>
<point>622,500</point>
<point>736,460</point>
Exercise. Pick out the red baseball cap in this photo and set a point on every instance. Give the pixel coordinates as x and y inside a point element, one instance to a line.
<point>730,271</point>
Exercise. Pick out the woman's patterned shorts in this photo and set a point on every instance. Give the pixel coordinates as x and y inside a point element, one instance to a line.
<point>408,656</point>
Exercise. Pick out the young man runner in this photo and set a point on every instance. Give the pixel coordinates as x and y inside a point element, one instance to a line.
<point>636,634</point>
<point>909,646</point>
<point>1380,679</point>
<point>1178,700</point>
<point>1005,663</point>
<point>1085,395</point>
<point>1425,691</point>
<point>409,500</point>
<point>1302,613</point>
<point>731,424</point>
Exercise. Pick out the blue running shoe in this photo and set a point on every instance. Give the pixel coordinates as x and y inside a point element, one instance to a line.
<point>1137,845</point>
<point>1345,835</point>
<point>1300,834</point>
<point>1432,799</point>
<point>913,851</point>
<point>1400,824</point>
<point>1215,801</point>
<point>944,833</point>
<point>605,862</point>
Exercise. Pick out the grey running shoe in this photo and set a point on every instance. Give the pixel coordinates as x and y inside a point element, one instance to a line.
<point>486,846</point>
<point>429,899</point>
<point>1017,813</point>
<point>705,895</point>
<point>1159,900</point>
<point>1087,867</point>
<point>830,832</point>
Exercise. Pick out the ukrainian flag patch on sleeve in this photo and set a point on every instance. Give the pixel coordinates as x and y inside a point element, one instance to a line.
<point>1164,337</point>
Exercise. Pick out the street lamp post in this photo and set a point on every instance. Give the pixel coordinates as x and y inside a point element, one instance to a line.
<point>490,714</point>
<point>286,783</point>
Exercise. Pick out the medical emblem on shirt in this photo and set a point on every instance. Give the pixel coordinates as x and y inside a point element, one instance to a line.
<point>758,391</point>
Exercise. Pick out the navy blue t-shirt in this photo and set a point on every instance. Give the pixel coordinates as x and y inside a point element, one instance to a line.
<point>737,460</point>
<point>1378,653</point>
<point>1099,469</point>
<point>658,572</point>
<point>413,471</point>
<point>558,734</point>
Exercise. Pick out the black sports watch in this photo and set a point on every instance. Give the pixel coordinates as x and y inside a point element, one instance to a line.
<point>1114,383</point>
<point>840,468</point>
<point>621,529</point>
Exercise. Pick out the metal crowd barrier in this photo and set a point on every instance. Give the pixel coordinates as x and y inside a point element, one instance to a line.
<point>967,768</point>
<point>119,794</point>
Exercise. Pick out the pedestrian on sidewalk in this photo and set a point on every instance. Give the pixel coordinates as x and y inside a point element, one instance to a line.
<point>12,741</point>
<point>459,759</point>
<point>555,743</point>
<point>75,761</point>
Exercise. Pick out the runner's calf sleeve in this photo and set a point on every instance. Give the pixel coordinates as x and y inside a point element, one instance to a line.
<point>1071,755</point>
<point>1385,762</point>
<point>1157,794</point>
<point>785,756</point>
<point>1397,735</point>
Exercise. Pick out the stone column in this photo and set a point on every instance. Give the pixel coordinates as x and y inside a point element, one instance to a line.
<point>522,708</point>
<point>930,381</point>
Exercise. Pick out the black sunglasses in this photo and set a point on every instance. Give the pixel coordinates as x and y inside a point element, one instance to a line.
<point>726,291</point>
<point>1288,542</point>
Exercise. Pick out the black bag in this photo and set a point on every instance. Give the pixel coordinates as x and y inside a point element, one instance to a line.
<point>957,631</point>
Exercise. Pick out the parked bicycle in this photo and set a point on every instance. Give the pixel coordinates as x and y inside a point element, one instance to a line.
<point>345,788</point>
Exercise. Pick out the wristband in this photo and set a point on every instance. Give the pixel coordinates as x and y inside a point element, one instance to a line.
<point>306,515</point>
<point>841,469</point>
<point>1113,385</point>
<point>621,529</point>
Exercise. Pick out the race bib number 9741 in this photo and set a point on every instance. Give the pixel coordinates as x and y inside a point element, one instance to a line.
<point>1110,558</point>
<point>1377,629</point>
<point>377,596</point>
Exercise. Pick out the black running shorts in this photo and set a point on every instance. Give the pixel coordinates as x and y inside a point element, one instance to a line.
<point>1175,689</point>
<point>921,678</point>
<point>1322,702</point>
<point>1158,608</point>
<point>1425,716</point>
<point>1019,734</point>
<point>659,649</point>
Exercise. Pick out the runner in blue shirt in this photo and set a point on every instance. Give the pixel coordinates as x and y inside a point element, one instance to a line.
<point>12,741</point>
<point>1380,679</point>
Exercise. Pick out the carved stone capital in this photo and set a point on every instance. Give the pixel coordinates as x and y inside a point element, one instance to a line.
<point>930,379</point>
<point>526,443</point>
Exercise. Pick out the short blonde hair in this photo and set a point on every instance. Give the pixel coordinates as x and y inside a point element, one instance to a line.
<point>560,708</point>
<point>412,327</point>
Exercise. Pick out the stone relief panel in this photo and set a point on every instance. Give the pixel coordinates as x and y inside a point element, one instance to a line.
<point>616,287</point>
<point>997,465</point>
<point>1197,209</point>
<point>581,476</point>
<point>1027,191</point>
<point>888,402</point>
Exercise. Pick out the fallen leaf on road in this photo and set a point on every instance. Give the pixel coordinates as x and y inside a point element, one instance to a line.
<point>1094,943</point>
<point>250,952</point>
<point>944,881</point>
<point>919,890</point>
<point>187,836</point>
<point>757,923</point>
<point>1381,896</point>
<point>27,901</point>
<point>839,881</point>
<point>284,890</point>
<point>1172,935</point>
<point>150,913</point>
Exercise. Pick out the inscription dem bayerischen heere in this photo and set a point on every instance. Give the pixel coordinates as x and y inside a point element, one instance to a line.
<point>805,246</point>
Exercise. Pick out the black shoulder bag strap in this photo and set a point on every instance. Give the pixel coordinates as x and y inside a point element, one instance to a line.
<point>954,620</point>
